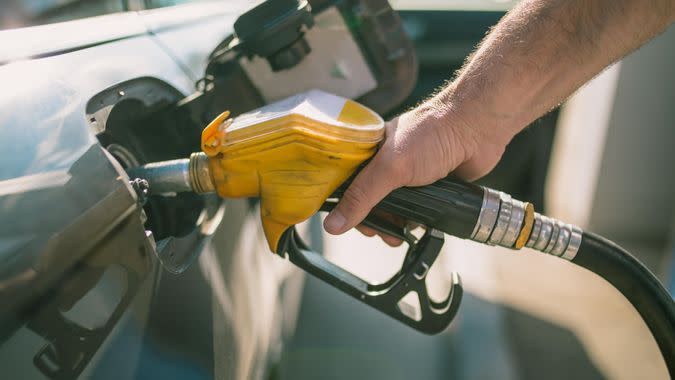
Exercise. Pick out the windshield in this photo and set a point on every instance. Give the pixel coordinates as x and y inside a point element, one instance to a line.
<point>22,13</point>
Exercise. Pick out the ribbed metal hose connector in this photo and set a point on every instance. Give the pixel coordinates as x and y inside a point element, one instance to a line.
<point>200,174</point>
<point>554,237</point>
<point>510,223</point>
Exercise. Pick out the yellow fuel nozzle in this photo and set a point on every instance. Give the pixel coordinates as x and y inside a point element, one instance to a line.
<point>292,154</point>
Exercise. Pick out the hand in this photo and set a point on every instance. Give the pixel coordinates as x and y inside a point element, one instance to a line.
<point>420,147</point>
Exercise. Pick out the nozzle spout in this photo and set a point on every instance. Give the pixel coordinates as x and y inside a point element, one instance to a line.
<point>177,176</point>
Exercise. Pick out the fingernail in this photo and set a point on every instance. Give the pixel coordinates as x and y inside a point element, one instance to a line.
<point>334,222</point>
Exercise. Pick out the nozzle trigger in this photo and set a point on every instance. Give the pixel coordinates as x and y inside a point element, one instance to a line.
<point>432,317</point>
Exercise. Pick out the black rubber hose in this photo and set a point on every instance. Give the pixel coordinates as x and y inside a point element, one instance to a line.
<point>637,284</point>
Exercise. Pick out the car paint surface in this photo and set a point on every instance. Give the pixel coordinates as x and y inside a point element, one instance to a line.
<point>76,266</point>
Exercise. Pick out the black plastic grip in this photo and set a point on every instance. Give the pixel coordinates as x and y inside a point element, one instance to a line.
<point>637,284</point>
<point>450,205</point>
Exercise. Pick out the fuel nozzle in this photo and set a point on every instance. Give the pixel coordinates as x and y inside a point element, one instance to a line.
<point>297,153</point>
<point>177,176</point>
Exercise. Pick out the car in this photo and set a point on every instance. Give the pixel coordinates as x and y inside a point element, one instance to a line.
<point>97,281</point>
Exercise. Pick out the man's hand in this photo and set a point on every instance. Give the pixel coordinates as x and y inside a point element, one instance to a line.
<point>420,147</point>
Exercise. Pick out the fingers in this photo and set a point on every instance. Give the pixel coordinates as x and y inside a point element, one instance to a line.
<point>370,232</point>
<point>390,240</point>
<point>369,187</point>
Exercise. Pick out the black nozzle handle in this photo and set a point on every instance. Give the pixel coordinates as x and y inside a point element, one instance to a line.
<point>450,205</point>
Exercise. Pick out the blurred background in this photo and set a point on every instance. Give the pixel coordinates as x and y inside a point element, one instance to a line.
<point>524,316</point>
<point>604,160</point>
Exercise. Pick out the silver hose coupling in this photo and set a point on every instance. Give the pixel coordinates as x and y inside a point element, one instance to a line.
<point>510,223</point>
<point>554,237</point>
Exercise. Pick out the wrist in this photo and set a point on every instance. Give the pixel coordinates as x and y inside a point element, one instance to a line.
<point>460,112</point>
<point>494,117</point>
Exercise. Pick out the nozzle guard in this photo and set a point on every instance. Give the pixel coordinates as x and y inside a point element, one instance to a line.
<point>433,316</point>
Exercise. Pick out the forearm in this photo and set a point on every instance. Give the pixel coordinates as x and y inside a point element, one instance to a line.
<point>534,58</point>
<point>541,52</point>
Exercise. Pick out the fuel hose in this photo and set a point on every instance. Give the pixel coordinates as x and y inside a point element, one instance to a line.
<point>470,211</point>
<point>642,289</point>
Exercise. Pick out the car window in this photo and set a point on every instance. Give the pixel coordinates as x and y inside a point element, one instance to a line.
<point>22,13</point>
<point>168,3</point>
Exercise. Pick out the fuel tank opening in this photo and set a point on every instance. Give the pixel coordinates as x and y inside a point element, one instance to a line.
<point>123,156</point>
<point>126,119</point>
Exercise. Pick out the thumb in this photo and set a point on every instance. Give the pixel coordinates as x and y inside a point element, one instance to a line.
<point>369,187</point>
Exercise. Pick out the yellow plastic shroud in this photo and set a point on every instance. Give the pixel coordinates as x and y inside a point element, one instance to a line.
<point>292,154</point>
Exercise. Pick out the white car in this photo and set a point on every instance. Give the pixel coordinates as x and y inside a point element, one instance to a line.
<point>92,284</point>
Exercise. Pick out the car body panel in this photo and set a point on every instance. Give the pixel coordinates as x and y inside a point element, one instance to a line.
<point>82,291</point>
<point>208,24</point>
<point>63,37</point>
<point>50,137</point>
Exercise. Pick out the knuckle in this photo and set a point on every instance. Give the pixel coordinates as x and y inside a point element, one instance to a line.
<point>400,162</point>
<point>390,240</point>
<point>354,201</point>
<point>397,164</point>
